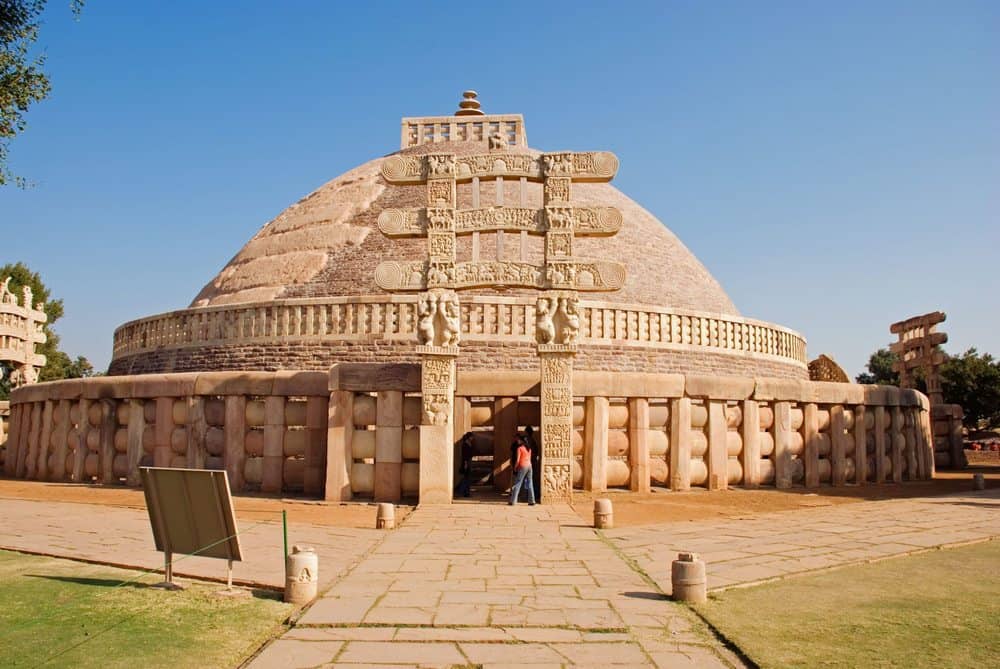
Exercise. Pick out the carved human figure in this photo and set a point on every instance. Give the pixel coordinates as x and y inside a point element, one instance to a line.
<point>426,309</point>
<point>450,311</point>
<point>26,292</point>
<point>7,296</point>
<point>570,330</point>
<point>545,330</point>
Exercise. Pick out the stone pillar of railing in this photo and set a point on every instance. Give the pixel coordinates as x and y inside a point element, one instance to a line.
<point>235,455</point>
<point>595,444</point>
<point>272,477</point>
<point>339,433</point>
<point>680,444</point>
<point>42,470</point>
<point>718,476</point>
<point>136,429</point>
<point>316,426</point>
<point>106,451</point>
<point>389,446</point>
<point>881,423</point>
<point>638,443</point>
<point>61,433</point>
<point>750,432</point>
<point>860,444</point>
<point>782,433</point>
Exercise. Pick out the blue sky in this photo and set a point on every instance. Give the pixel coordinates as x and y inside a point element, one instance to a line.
<point>835,165</point>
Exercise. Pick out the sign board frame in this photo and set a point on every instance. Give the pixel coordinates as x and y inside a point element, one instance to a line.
<point>191,512</point>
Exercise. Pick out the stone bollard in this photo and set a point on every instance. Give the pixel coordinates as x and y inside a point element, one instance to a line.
<point>385,518</point>
<point>687,574</point>
<point>301,575</point>
<point>978,482</point>
<point>604,516</point>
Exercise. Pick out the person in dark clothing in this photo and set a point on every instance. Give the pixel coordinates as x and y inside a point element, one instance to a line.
<point>464,487</point>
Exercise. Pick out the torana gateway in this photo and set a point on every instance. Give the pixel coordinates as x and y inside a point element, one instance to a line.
<point>466,282</point>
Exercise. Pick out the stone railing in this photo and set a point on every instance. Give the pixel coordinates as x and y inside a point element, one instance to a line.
<point>484,318</point>
<point>267,430</point>
<point>353,433</point>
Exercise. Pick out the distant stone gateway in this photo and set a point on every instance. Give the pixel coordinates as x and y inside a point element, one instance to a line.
<point>466,282</point>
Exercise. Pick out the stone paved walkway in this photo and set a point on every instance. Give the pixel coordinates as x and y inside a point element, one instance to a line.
<point>488,584</point>
<point>494,586</point>
<point>762,547</point>
<point>122,537</point>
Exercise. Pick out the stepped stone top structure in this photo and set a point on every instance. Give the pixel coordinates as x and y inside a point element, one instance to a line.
<point>313,287</point>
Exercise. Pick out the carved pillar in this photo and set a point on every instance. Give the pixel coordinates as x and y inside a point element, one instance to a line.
<point>557,420</point>
<point>437,384</point>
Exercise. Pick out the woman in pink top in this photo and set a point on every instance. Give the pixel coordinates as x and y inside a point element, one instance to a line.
<point>522,472</point>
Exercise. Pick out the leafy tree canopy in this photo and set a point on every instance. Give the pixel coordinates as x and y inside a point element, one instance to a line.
<point>973,381</point>
<point>58,365</point>
<point>22,79</point>
<point>880,369</point>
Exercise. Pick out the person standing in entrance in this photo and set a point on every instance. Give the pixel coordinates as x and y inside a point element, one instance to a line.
<point>522,472</point>
<point>536,461</point>
<point>464,486</point>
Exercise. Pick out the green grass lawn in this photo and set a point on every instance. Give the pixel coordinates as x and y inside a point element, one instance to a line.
<point>59,613</point>
<point>939,609</point>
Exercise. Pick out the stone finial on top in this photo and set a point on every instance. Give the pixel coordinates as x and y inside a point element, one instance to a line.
<point>469,106</point>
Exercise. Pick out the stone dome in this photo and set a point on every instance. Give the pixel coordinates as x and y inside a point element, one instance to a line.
<point>328,244</point>
<point>303,292</point>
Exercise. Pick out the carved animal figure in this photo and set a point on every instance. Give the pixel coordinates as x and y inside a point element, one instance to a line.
<point>497,141</point>
<point>545,330</point>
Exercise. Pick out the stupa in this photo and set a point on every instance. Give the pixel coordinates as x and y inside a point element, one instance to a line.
<point>304,292</point>
<point>466,283</point>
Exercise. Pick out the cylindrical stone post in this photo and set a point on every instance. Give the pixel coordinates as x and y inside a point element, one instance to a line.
<point>301,575</point>
<point>604,517</point>
<point>385,516</point>
<point>687,578</point>
<point>978,482</point>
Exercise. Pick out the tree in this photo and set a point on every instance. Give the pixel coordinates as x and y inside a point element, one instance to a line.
<point>22,80</point>
<point>58,365</point>
<point>880,369</point>
<point>973,381</point>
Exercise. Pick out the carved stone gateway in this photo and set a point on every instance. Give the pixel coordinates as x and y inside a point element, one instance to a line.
<point>20,331</point>
<point>561,275</point>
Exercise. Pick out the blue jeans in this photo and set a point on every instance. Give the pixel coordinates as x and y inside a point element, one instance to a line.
<point>522,477</point>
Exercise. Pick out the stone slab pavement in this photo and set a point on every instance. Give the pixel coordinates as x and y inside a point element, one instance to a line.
<point>122,536</point>
<point>768,546</point>
<point>491,585</point>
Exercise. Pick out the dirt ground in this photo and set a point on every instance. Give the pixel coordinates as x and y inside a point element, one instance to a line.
<point>659,506</point>
<point>248,507</point>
